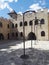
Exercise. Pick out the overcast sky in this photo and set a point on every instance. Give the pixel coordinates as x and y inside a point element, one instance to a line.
<point>20,6</point>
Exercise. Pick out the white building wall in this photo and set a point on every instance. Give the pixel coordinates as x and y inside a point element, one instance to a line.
<point>31,16</point>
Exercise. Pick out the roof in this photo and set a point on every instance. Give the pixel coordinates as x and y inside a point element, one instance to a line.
<point>13,14</point>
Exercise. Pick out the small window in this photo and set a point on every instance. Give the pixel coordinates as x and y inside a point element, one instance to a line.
<point>30,23</point>
<point>16,34</point>
<point>25,23</point>
<point>42,21</point>
<point>42,33</point>
<point>0,24</point>
<point>8,25</point>
<point>36,22</point>
<point>8,35</point>
<point>20,23</point>
<point>21,34</point>
<point>12,25</point>
<point>16,25</point>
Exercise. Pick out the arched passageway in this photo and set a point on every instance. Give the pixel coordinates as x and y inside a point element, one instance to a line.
<point>1,36</point>
<point>31,36</point>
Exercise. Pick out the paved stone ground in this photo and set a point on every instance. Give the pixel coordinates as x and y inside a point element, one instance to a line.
<point>12,56</point>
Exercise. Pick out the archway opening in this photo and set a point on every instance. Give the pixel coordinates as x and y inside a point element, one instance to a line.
<point>1,36</point>
<point>31,36</point>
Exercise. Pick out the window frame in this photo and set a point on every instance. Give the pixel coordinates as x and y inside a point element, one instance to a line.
<point>30,22</point>
<point>1,24</point>
<point>25,23</point>
<point>42,21</point>
<point>42,33</point>
<point>12,25</point>
<point>21,34</point>
<point>16,25</point>
<point>20,24</point>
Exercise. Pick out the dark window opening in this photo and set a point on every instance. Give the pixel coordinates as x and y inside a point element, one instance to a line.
<point>31,36</point>
<point>1,36</point>
<point>16,34</point>
<point>20,23</point>
<point>21,34</point>
<point>30,23</point>
<point>0,24</point>
<point>42,21</point>
<point>8,36</point>
<point>16,25</point>
<point>42,33</point>
<point>12,25</point>
<point>36,22</point>
<point>8,25</point>
<point>25,23</point>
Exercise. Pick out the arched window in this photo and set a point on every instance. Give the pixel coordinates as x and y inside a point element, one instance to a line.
<point>25,23</point>
<point>42,21</point>
<point>20,23</point>
<point>1,36</point>
<point>42,33</point>
<point>30,23</point>
<point>16,34</point>
<point>8,35</point>
<point>0,24</point>
<point>36,22</point>
<point>8,25</point>
<point>16,25</point>
<point>12,25</point>
<point>21,34</point>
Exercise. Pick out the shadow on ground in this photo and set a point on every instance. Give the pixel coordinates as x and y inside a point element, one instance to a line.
<point>7,43</point>
<point>36,57</point>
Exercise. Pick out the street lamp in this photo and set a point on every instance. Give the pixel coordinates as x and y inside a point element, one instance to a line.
<point>24,56</point>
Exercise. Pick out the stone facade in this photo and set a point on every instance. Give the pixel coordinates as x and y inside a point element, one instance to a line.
<point>7,29</point>
<point>36,29</point>
<point>40,30</point>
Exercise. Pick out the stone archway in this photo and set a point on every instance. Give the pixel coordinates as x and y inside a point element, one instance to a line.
<point>31,36</point>
<point>1,36</point>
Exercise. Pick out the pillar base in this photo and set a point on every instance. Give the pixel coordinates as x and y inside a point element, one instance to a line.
<point>24,56</point>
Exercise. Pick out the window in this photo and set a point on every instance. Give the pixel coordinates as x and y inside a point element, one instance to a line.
<point>25,23</point>
<point>8,35</point>
<point>42,21</point>
<point>16,34</point>
<point>20,23</point>
<point>21,34</point>
<point>8,25</point>
<point>30,23</point>
<point>12,25</point>
<point>12,34</point>
<point>0,24</point>
<point>36,22</point>
<point>42,33</point>
<point>16,25</point>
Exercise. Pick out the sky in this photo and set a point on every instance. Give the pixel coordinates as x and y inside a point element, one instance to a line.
<point>20,6</point>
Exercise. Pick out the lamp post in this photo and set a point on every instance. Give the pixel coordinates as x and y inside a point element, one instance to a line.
<point>24,56</point>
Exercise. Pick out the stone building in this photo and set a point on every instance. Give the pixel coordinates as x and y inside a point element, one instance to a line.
<point>36,24</point>
<point>7,29</point>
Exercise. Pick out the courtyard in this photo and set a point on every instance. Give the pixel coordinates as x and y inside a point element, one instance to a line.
<point>11,50</point>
